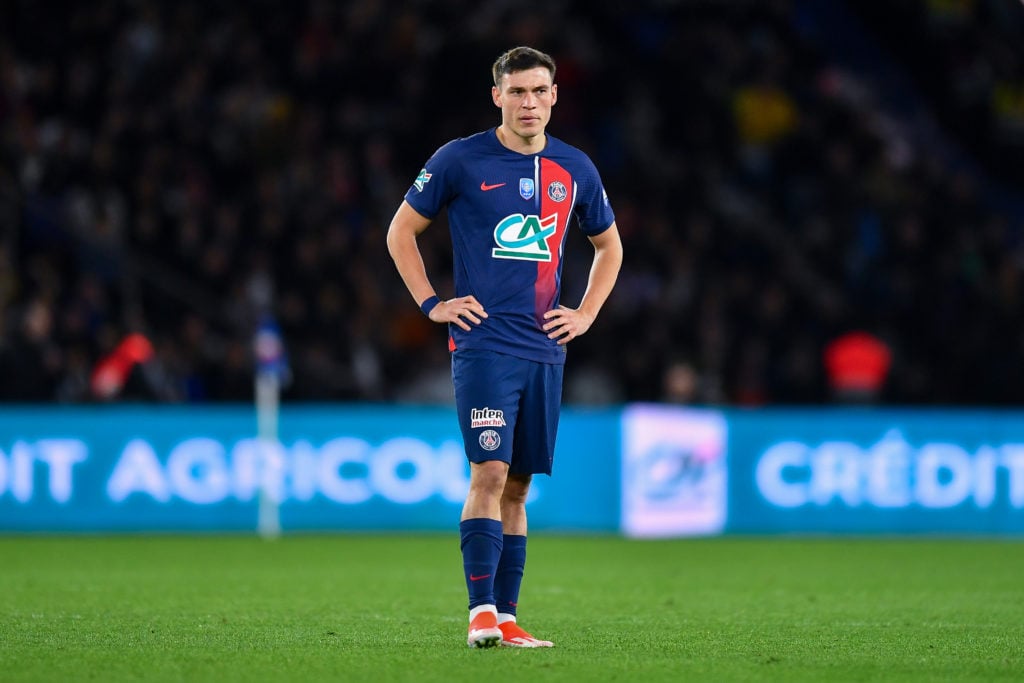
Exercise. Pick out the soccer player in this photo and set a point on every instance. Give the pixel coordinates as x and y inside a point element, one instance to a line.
<point>511,193</point>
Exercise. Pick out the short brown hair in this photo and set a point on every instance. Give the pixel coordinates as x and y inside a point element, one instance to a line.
<point>521,59</point>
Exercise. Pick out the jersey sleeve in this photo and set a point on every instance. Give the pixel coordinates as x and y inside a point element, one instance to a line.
<point>433,187</point>
<point>593,210</point>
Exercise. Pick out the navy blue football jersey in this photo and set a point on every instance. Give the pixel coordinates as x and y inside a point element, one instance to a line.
<point>508,214</point>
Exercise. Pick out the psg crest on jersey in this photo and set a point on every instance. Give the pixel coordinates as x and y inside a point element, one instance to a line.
<point>526,188</point>
<point>557,191</point>
<point>489,440</point>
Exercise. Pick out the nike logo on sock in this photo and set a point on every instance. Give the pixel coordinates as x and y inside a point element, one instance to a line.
<point>485,187</point>
<point>473,577</point>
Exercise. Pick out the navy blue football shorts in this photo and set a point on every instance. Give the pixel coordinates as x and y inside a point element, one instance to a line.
<point>508,408</point>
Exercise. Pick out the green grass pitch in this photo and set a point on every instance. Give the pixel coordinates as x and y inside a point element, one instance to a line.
<point>392,608</point>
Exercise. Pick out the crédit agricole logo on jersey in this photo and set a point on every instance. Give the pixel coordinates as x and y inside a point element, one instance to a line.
<point>524,237</point>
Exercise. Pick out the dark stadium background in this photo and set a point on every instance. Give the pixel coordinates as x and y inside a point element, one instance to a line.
<point>784,172</point>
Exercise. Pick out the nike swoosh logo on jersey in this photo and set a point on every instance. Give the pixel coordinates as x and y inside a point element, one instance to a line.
<point>485,187</point>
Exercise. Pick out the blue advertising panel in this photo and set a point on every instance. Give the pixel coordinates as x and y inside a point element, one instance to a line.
<point>644,470</point>
<point>876,471</point>
<point>146,468</point>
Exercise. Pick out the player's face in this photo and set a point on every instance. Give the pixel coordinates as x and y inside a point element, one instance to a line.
<point>525,99</point>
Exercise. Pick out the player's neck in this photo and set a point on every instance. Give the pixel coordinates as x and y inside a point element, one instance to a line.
<point>520,144</point>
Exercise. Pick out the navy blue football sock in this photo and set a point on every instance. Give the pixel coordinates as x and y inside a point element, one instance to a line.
<point>481,549</point>
<point>510,573</point>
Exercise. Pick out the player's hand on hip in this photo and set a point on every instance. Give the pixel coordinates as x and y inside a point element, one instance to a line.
<point>565,324</point>
<point>459,311</point>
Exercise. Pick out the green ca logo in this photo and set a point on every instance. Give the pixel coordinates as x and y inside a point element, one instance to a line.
<point>524,237</point>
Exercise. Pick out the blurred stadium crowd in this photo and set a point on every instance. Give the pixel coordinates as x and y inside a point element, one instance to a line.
<point>178,170</point>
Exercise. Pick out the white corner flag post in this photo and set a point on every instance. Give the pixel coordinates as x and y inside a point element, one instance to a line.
<point>270,366</point>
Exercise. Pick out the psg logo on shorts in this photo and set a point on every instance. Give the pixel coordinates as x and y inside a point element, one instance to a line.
<point>557,191</point>
<point>489,440</point>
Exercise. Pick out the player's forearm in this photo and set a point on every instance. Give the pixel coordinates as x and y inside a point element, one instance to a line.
<point>405,252</point>
<point>603,274</point>
<point>409,263</point>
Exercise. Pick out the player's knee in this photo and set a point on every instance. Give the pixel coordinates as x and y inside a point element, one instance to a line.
<point>517,488</point>
<point>489,477</point>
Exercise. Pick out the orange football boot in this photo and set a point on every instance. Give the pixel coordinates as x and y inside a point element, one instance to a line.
<point>484,631</point>
<point>513,636</point>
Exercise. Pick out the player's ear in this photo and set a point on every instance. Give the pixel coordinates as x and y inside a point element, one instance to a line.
<point>496,96</point>
<point>554,93</point>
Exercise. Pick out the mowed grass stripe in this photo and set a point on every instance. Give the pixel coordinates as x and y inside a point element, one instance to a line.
<point>391,607</point>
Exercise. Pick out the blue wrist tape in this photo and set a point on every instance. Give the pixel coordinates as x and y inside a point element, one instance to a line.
<point>428,305</point>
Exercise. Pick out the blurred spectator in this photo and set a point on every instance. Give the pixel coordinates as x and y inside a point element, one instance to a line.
<point>32,361</point>
<point>858,366</point>
<point>681,383</point>
<point>111,374</point>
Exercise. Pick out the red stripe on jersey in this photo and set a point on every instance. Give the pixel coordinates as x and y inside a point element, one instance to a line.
<point>548,276</point>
